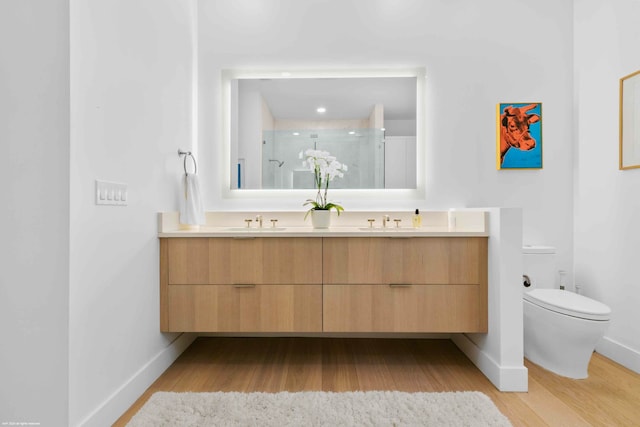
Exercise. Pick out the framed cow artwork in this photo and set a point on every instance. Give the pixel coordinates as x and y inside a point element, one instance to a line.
<point>519,135</point>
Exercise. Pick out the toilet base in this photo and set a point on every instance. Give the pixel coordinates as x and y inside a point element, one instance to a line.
<point>560,343</point>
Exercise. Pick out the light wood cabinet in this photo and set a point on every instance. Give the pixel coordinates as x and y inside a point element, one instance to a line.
<point>245,308</point>
<point>403,308</point>
<point>241,285</point>
<point>426,260</point>
<point>330,284</point>
<point>260,261</point>
<point>427,284</point>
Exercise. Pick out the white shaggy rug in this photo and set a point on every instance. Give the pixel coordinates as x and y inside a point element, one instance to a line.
<point>374,408</point>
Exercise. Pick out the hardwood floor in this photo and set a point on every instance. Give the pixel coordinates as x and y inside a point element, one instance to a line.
<point>609,397</point>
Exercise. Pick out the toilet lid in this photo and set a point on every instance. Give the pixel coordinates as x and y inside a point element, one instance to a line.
<point>569,303</point>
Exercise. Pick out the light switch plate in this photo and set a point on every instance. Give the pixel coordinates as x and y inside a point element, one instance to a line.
<point>111,193</point>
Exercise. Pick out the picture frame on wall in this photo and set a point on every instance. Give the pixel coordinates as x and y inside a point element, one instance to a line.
<point>630,121</point>
<point>519,135</point>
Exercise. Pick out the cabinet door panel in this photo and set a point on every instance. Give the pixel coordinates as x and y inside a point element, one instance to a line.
<point>188,260</point>
<point>417,308</point>
<point>229,308</point>
<point>467,260</point>
<point>353,260</point>
<point>215,261</point>
<point>430,260</point>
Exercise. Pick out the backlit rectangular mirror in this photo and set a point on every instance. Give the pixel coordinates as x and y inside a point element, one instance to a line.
<point>367,119</point>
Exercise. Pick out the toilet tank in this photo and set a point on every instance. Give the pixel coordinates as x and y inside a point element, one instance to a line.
<point>539,263</point>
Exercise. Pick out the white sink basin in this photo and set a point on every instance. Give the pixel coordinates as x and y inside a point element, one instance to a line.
<point>256,230</point>
<point>388,229</point>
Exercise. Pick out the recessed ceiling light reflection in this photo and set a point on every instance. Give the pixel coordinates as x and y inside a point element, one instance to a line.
<point>296,133</point>
<point>352,133</point>
<point>321,110</point>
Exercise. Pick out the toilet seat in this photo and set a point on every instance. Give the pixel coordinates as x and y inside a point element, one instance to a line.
<point>569,303</point>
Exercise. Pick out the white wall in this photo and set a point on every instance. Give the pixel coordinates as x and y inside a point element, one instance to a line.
<point>34,218</point>
<point>400,127</point>
<point>131,109</point>
<point>475,55</point>
<point>400,162</point>
<point>606,199</point>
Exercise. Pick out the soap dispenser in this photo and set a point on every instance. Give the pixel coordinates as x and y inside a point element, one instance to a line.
<point>417,219</point>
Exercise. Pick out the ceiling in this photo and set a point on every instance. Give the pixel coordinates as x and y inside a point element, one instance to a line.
<point>344,98</point>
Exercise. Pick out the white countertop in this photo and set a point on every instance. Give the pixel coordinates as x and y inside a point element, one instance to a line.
<point>231,224</point>
<point>238,232</point>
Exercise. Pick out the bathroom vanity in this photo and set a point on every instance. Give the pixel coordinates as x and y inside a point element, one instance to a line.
<point>340,280</point>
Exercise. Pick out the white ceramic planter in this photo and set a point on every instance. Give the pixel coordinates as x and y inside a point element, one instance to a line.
<point>320,218</point>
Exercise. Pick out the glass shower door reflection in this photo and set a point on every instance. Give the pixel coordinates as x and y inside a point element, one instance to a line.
<point>362,150</point>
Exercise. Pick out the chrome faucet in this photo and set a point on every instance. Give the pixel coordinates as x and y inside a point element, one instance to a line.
<point>385,220</point>
<point>259,220</point>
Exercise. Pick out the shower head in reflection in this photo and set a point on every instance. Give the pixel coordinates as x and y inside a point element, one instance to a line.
<point>280,163</point>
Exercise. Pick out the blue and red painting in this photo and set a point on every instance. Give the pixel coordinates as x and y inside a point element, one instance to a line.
<point>519,136</point>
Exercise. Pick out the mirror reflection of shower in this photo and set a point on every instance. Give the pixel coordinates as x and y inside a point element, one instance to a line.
<point>374,158</point>
<point>273,175</point>
<point>361,149</point>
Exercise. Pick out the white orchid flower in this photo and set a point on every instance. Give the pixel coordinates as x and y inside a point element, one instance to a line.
<point>325,168</point>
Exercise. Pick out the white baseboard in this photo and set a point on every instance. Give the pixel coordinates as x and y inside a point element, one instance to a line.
<point>619,353</point>
<point>509,378</point>
<point>125,396</point>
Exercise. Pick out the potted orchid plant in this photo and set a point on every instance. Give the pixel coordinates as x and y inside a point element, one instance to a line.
<point>325,168</point>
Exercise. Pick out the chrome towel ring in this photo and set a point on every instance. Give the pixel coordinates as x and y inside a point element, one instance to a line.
<point>188,154</point>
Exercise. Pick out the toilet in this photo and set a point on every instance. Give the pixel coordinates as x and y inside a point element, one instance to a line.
<point>561,328</point>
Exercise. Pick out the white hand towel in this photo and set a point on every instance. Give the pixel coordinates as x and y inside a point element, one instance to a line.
<point>191,209</point>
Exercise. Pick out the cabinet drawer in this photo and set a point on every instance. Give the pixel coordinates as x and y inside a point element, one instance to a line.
<point>229,308</point>
<point>417,308</point>
<point>257,261</point>
<point>417,260</point>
